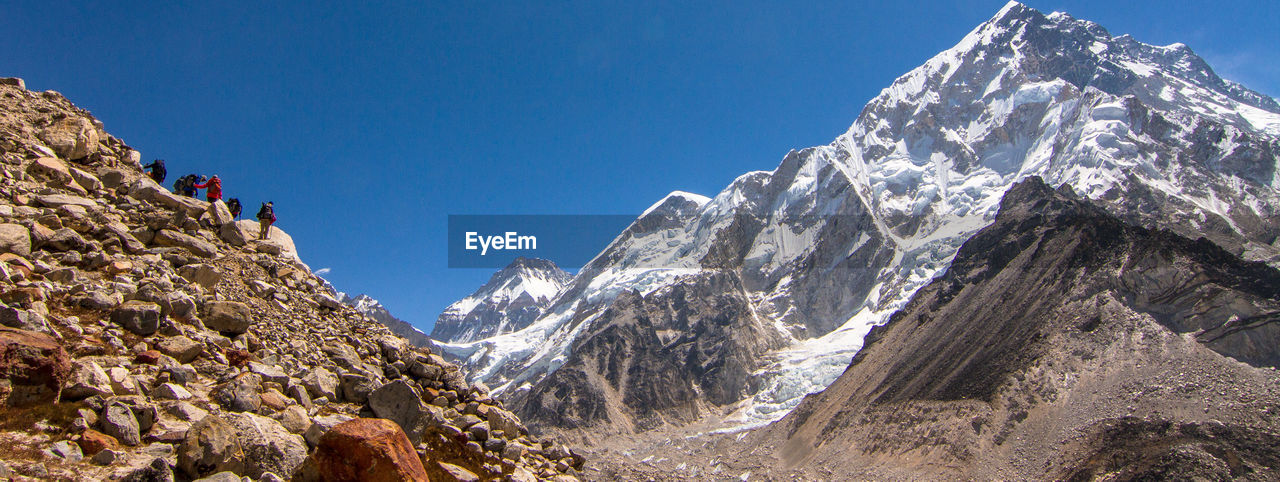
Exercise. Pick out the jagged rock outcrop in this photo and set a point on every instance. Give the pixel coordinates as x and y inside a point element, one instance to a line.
<point>511,299</point>
<point>1061,344</point>
<point>152,330</point>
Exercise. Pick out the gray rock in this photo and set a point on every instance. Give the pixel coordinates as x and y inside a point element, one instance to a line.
<point>170,391</point>
<point>268,446</point>
<point>270,373</point>
<point>118,421</point>
<point>294,419</point>
<point>199,247</point>
<point>95,300</point>
<point>503,420</point>
<point>219,214</point>
<point>241,394</point>
<point>321,382</point>
<point>140,317</point>
<point>86,180</point>
<point>71,137</point>
<point>233,235</point>
<point>16,239</point>
<point>356,387</point>
<point>59,200</point>
<point>203,274</point>
<point>111,178</point>
<point>401,403</point>
<point>157,471</point>
<point>211,446</point>
<point>66,450</point>
<point>227,317</point>
<point>321,425</point>
<point>87,379</point>
<point>182,305</point>
<point>66,239</point>
<point>328,301</point>
<point>479,431</point>
<point>107,457</point>
<point>181,374</point>
<point>221,477</point>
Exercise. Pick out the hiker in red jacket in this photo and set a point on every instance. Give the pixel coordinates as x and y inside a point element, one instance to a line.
<point>215,188</point>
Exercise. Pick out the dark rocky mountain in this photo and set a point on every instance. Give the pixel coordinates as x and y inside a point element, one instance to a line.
<point>510,301</point>
<point>373,309</point>
<point>1061,344</point>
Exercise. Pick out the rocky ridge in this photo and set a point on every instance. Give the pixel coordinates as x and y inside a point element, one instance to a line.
<point>511,299</point>
<point>373,309</point>
<point>148,336</point>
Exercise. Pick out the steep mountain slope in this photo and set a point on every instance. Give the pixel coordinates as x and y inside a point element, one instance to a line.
<point>148,336</point>
<point>373,309</point>
<point>839,236</point>
<point>1061,344</point>
<point>513,298</point>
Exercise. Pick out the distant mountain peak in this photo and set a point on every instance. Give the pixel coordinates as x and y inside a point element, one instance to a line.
<point>513,298</point>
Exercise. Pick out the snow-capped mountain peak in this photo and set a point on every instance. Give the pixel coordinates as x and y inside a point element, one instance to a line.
<point>511,299</point>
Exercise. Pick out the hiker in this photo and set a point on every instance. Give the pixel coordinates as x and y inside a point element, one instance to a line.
<point>266,216</point>
<point>185,185</point>
<point>156,170</point>
<point>214,186</point>
<point>233,205</point>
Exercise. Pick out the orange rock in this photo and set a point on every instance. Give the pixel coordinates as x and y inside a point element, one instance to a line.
<point>367,449</point>
<point>119,266</point>
<point>238,358</point>
<point>149,357</point>
<point>92,441</point>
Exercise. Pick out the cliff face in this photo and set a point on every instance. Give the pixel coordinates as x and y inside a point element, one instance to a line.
<point>147,334</point>
<point>1061,343</point>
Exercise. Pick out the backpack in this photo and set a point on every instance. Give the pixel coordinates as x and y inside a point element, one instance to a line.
<point>267,213</point>
<point>233,205</point>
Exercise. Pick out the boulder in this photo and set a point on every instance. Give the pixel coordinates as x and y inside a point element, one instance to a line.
<point>22,319</point>
<point>205,275</point>
<point>356,387</point>
<point>66,239</point>
<point>66,450</point>
<point>92,441</point>
<point>211,446</point>
<point>60,200</point>
<point>157,471</point>
<point>401,403</point>
<point>321,425</point>
<point>111,177</point>
<point>118,421</point>
<point>35,365</point>
<point>219,214</point>
<point>278,237</point>
<point>16,239</point>
<point>270,373</point>
<point>321,382</point>
<point>240,394</point>
<point>197,246</point>
<point>14,81</point>
<point>87,379</point>
<point>227,317</point>
<point>140,317</point>
<point>328,301</point>
<point>180,348</point>
<point>503,420</point>
<point>170,391</point>
<point>268,446</point>
<point>107,456</point>
<point>233,235</point>
<point>145,189</point>
<point>444,471</point>
<point>71,137</point>
<point>368,449</point>
<point>128,241</point>
<point>294,419</point>
<point>86,180</point>
<point>51,169</point>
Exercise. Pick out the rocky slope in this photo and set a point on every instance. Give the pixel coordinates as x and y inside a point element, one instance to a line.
<point>148,336</point>
<point>513,298</point>
<point>1061,344</point>
<point>839,237</point>
<point>373,309</point>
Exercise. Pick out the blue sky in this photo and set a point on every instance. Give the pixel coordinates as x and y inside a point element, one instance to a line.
<point>368,124</point>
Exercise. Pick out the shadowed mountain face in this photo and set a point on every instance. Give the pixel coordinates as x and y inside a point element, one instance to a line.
<point>1127,350</point>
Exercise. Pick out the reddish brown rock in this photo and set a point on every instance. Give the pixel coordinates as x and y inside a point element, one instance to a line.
<point>35,365</point>
<point>367,449</point>
<point>238,358</point>
<point>149,357</point>
<point>92,441</point>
